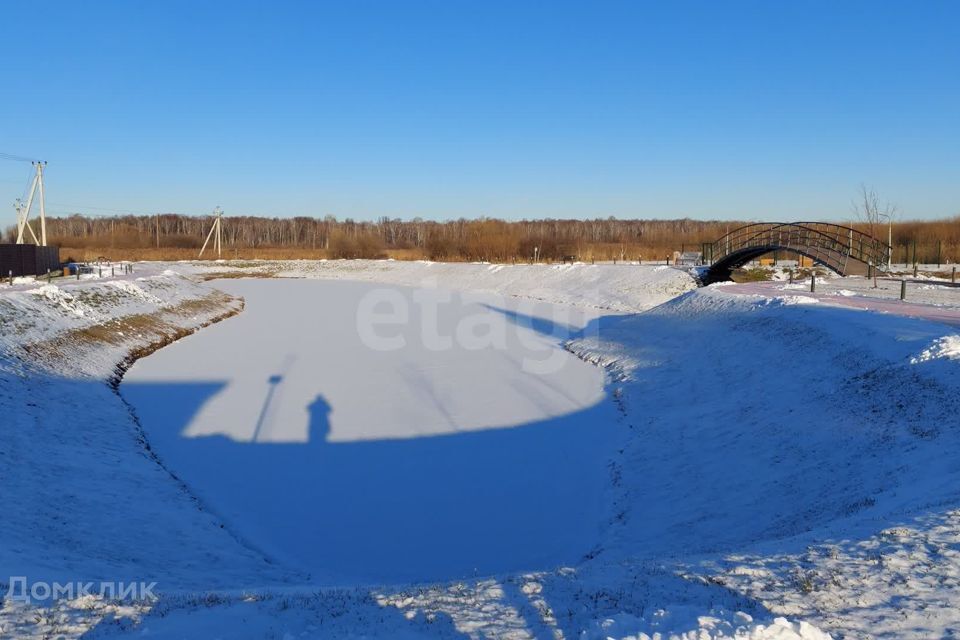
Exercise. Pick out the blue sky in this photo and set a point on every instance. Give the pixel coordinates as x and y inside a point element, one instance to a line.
<point>757,110</point>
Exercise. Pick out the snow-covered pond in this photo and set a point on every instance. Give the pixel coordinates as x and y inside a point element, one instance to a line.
<point>379,433</point>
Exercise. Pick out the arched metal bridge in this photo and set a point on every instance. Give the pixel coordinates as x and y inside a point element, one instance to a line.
<point>842,249</point>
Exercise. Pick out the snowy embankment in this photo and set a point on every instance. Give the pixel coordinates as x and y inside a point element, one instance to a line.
<point>625,288</point>
<point>82,498</point>
<point>798,454</point>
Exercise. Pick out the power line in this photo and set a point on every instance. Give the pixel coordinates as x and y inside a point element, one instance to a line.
<point>80,209</point>
<point>15,158</point>
<point>81,206</point>
<point>26,187</point>
<point>66,213</point>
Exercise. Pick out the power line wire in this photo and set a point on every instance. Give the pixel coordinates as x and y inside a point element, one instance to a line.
<point>16,158</point>
<point>81,206</point>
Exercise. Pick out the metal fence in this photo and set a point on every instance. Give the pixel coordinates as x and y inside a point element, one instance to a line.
<point>28,260</point>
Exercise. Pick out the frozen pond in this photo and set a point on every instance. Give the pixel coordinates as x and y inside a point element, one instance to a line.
<point>378,433</point>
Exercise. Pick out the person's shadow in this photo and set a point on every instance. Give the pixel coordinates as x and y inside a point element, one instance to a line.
<point>318,429</point>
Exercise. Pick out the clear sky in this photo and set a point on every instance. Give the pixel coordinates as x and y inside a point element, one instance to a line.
<point>759,110</point>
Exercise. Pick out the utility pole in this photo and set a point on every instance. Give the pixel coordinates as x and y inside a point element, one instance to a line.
<point>158,231</point>
<point>21,222</point>
<point>43,210</point>
<point>23,212</point>
<point>216,227</point>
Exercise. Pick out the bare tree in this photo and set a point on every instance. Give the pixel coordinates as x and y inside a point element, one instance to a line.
<point>868,210</point>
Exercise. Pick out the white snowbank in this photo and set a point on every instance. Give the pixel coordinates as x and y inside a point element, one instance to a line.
<point>688,623</point>
<point>45,311</point>
<point>947,347</point>
<point>796,300</point>
<point>61,298</point>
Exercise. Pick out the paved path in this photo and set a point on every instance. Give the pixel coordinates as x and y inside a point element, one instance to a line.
<point>934,313</point>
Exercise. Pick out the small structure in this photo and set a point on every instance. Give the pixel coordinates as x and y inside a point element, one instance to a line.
<point>28,260</point>
<point>689,259</point>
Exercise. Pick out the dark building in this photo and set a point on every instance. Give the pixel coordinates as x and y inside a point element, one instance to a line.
<point>28,259</point>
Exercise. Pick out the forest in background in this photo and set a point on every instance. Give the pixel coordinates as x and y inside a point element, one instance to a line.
<point>176,236</point>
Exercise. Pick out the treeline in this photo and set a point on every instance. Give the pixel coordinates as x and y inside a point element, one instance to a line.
<point>483,239</point>
<point>487,239</point>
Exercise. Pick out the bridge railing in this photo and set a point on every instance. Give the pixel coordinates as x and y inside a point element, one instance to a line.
<point>829,243</point>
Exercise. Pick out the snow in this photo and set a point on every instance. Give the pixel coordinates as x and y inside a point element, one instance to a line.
<point>938,304</point>
<point>486,409</point>
<point>44,311</point>
<point>62,299</point>
<point>620,288</point>
<point>887,288</point>
<point>796,300</point>
<point>687,623</point>
<point>774,469</point>
<point>82,499</point>
<point>945,347</point>
<point>766,431</point>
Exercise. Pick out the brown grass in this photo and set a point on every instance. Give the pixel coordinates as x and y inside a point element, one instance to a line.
<point>233,275</point>
<point>751,275</point>
<point>158,329</point>
<point>89,254</point>
<point>600,252</point>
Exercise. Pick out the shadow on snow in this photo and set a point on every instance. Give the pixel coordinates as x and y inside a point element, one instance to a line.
<point>413,509</point>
